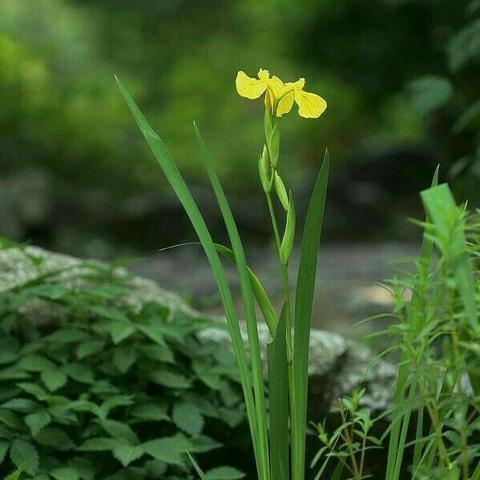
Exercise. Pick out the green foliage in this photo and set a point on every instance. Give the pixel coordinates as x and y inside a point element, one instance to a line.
<point>430,93</point>
<point>289,382</point>
<point>109,390</point>
<point>450,101</point>
<point>434,419</point>
<point>349,443</point>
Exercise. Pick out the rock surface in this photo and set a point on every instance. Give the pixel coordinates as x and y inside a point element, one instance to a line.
<point>337,365</point>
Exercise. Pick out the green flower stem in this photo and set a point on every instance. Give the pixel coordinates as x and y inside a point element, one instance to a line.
<point>287,303</point>
<point>285,280</point>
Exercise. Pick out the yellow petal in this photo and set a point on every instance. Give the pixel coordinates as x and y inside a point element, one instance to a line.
<point>249,87</point>
<point>285,104</point>
<point>298,85</point>
<point>263,75</point>
<point>277,87</point>
<point>309,104</point>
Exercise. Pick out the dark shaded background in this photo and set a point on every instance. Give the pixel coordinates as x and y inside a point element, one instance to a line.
<point>75,175</point>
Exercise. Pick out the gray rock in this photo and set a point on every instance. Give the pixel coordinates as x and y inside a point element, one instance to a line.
<point>337,366</point>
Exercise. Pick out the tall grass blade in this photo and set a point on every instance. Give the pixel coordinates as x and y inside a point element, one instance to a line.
<point>178,184</point>
<point>278,396</point>
<point>303,318</point>
<point>259,292</point>
<point>196,467</point>
<point>248,305</point>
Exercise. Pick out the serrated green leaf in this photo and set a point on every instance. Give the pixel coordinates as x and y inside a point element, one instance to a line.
<point>116,401</point>
<point>49,291</point>
<point>151,412</point>
<point>3,450</point>
<point>68,335</point>
<point>202,444</point>
<point>124,358</point>
<point>35,390</point>
<point>119,431</point>
<point>37,421</point>
<point>79,372</point>
<point>187,417</point>
<point>54,437</point>
<point>36,363</point>
<point>127,454</point>
<point>110,313</point>
<point>14,475</point>
<point>65,473</point>
<point>54,379</point>
<point>13,373</point>
<point>89,348</point>
<point>169,379</point>
<point>9,350</point>
<point>98,444</point>
<point>224,473</point>
<point>10,419</point>
<point>158,353</point>
<point>21,404</point>
<point>170,450</point>
<point>120,331</point>
<point>24,456</point>
<point>153,332</point>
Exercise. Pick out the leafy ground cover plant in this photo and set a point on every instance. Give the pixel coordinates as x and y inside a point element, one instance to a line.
<point>106,389</point>
<point>435,421</point>
<point>277,423</point>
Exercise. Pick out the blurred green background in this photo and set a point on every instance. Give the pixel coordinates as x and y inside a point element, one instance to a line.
<point>400,76</point>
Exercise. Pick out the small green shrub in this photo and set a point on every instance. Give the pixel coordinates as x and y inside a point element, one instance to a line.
<point>434,421</point>
<point>108,390</point>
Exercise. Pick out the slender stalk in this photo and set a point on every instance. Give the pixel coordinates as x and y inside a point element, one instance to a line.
<point>288,314</point>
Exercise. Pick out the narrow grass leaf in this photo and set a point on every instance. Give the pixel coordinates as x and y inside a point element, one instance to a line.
<point>178,184</point>
<point>259,292</point>
<point>303,317</point>
<point>197,467</point>
<point>248,305</point>
<point>278,390</point>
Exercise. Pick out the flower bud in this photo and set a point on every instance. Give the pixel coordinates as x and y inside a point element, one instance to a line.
<point>274,145</point>
<point>281,191</point>
<point>264,170</point>
<point>289,235</point>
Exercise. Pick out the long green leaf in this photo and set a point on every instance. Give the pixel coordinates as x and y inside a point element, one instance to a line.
<point>278,395</point>
<point>259,292</point>
<point>197,467</point>
<point>303,317</point>
<point>248,305</point>
<point>178,184</point>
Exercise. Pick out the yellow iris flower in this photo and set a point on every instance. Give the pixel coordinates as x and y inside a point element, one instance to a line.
<point>279,95</point>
